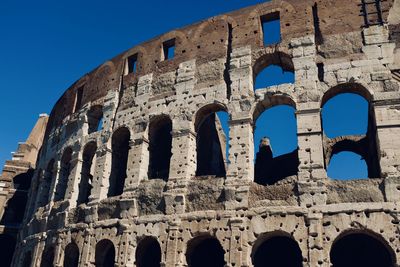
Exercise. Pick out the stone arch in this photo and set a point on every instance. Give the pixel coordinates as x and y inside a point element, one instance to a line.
<point>7,246</point>
<point>148,253</point>
<point>266,64</point>
<point>160,146</point>
<point>276,249</point>
<point>120,146</point>
<point>354,88</point>
<point>71,255</point>
<point>65,171</point>
<point>270,100</point>
<point>47,259</point>
<point>205,250</point>
<point>210,137</point>
<point>105,253</point>
<point>364,145</point>
<point>361,248</point>
<point>87,172</point>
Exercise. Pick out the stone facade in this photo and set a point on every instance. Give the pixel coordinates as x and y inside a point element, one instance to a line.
<point>115,193</point>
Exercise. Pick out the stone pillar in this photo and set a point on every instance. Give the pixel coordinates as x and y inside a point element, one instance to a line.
<point>241,73</point>
<point>388,133</point>
<point>125,252</point>
<point>138,162</point>
<point>238,248</point>
<point>86,250</point>
<point>312,172</point>
<point>101,176</point>
<point>173,245</point>
<point>182,168</point>
<point>240,172</point>
<point>315,241</point>
<point>53,186</point>
<point>74,179</point>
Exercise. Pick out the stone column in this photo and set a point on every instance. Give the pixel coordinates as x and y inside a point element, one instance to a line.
<point>311,155</point>
<point>101,176</point>
<point>182,168</point>
<point>173,245</point>
<point>138,162</point>
<point>74,179</point>
<point>241,73</point>
<point>315,242</point>
<point>240,172</point>
<point>238,248</point>
<point>86,250</point>
<point>388,133</point>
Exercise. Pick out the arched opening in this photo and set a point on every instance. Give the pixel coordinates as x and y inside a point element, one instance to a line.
<point>46,184</point>
<point>71,255</point>
<point>120,150</point>
<point>95,118</point>
<point>279,251</point>
<point>47,257</point>
<point>212,141</point>
<point>160,145</point>
<point>348,126</point>
<point>275,144</point>
<point>65,171</point>
<point>360,249</point>
<point>87,172</point>
<point>22,182</point>
<point>148,253</point>
<point>273,69</point>
<point>7,247</point>
<point>205,251</point>
<point>357,167</point>
<point>27,259</point>
<point>105,254</point>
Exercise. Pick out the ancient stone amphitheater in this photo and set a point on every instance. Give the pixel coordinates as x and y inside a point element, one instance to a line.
<point>129,169</point>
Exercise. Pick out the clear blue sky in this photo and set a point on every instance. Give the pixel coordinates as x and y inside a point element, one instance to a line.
<point>47,45</point>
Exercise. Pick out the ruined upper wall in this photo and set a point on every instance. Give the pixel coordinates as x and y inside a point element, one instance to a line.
<point>211,39</point>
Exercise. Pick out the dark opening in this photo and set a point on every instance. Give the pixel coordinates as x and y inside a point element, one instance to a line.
<point>211,143</point>
<point>71,255</point>
<point>160,146</point>
<point>14,212</point>
<point>275,145</point>
<point>148,253</point>
<point>205,251</point>
<point>317,29</point>
<point>95,117</point>
<point>227,76</point>
<point>65,171</point>
<point>132,63</point>
<point>169,49</point>
<point>78,99</point>
<point>120,150</point>
<point>85,185</point>
<point>47,257</point>
<point>105,254</point>
<point>271,28</point>
<point>22,182</point>
<point>27,260</point>
<point>7,247</point>
<point>360,250</point>
<point>46,184</point>
<point>320,67</point>
<point>278,251</point>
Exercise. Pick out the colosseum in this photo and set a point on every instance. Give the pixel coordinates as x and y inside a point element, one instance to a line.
<point>130,168</point>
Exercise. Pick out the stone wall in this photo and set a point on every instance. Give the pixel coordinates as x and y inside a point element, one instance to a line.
<point>213,70</point>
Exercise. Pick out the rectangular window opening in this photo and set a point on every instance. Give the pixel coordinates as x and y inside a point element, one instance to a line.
<point>271,28</point>
<point>132,64</point>
<point>78,99</point>
<point>321,73</point>
<point>169,49</point>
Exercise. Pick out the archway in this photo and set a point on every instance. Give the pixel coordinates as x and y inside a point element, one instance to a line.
<point>87,172</point>
<point>361,249</point>
<point>105,254</point>
<point>205,251</point>
<point>120,150</point>
<point>160,146</point>
<point>148,253</point>
<point>71,255</point>
<point>212,141</point>
<point>279,251</point>
<point>65,171</point>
